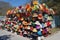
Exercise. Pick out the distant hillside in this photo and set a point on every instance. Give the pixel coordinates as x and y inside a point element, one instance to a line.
<point>4,6</point>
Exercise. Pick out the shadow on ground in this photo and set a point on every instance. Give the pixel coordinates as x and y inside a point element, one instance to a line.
<point>5,37</point>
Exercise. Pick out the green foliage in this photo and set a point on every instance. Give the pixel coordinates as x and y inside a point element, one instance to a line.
<point>55,4</point>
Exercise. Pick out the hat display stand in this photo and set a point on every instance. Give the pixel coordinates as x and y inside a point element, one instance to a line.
<point>34,19</point>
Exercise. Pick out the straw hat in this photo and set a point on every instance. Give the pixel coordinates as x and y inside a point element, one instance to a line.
<point>35,2</point>
<point>8,12</point>
<point>34,30</point>
<point>37,23</point>
<point>35,15</point>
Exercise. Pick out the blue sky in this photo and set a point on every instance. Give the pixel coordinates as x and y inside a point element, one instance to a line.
<point>16,2</point>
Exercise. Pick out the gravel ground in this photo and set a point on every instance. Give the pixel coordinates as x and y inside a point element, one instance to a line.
<point>5,35</point>
<point>55,36</point>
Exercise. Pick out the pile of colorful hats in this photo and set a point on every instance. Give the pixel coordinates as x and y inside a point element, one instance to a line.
<point>30,20</point>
